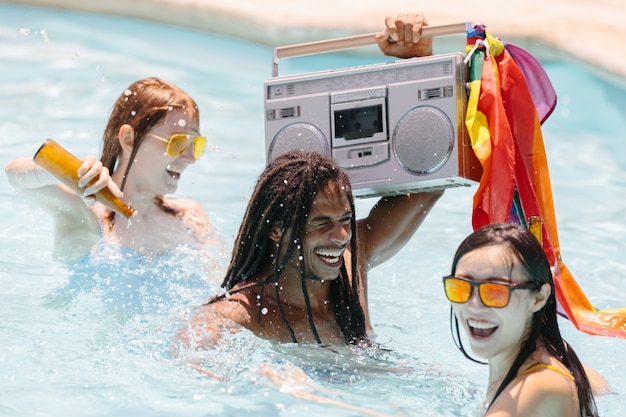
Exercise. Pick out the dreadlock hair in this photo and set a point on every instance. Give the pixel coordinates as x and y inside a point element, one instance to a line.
<point>284,196</point>
<point>141,105</point>
<point>526,251</point>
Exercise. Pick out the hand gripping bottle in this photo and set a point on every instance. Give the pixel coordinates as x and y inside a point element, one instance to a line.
<point>64,166</point>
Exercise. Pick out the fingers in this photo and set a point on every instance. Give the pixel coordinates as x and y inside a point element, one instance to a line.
<point>391,29</point>
<point>406,28</point>
<point>88,170</point>
<point>93,176</point>
<point>115,189</point>
<point>402,36</point>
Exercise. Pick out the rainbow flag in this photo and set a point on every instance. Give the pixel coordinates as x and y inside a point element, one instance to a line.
<point>510,96</point>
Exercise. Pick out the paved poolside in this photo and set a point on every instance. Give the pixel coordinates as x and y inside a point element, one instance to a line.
<point>591,30</point>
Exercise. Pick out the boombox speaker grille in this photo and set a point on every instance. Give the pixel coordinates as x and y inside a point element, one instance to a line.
<point>423,140</point>
<point>303,136</point>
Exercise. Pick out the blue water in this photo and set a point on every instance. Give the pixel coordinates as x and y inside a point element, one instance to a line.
<point>68,350</point>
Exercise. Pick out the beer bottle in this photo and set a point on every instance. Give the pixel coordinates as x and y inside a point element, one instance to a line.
<point>63,165</point>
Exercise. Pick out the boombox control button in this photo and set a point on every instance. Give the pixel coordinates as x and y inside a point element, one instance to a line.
<point>362,156</point>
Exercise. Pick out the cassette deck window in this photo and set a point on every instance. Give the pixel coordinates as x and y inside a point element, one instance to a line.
<point>358,122</point>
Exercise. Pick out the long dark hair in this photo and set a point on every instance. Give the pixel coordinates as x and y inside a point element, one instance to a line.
<point>527,251</point>
<point>283,197</point>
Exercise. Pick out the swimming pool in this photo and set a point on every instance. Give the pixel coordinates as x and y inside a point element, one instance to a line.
<point>84,356</point>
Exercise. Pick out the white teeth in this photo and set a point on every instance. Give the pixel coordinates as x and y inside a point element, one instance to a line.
<point>330,252</point>
<point>480,324</point>
<point>330,255</point>
<point>174,169</point>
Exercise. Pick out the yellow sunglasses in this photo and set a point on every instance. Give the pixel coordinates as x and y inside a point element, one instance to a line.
<point>178,143</point>
<point>492,294</point>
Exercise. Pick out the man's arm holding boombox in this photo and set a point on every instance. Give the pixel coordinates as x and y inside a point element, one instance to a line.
<point>394,219</point>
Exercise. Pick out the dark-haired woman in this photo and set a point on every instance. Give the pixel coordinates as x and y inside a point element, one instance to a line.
<point>502,295</point>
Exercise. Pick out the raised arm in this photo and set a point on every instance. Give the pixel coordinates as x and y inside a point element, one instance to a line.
<point>76,227</point>
<point>391,223</point>
<point>38,185</point>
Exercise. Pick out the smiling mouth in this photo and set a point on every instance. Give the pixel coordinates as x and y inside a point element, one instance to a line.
<point>174,172</point>
<point>330,256</point>
<point>481,329</point>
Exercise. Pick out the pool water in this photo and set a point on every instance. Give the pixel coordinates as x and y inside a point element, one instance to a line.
<point>67,350</point>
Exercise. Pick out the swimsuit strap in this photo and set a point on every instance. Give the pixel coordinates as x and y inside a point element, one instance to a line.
<point>551,367</point>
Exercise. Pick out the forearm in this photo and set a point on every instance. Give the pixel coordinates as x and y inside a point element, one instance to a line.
<point>393,221</point>
<point>403,214</point>
<point>24,174</point>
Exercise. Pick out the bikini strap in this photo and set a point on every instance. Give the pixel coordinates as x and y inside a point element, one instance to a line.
<point>547,366</point>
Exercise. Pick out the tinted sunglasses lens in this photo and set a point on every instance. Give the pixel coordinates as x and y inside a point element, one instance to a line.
<point>199,144</point>
<point>457,290</point>
<point>178,144</point>
<point>494,295</point>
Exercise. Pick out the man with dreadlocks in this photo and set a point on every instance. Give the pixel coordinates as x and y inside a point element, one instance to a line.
<point>298,271</point>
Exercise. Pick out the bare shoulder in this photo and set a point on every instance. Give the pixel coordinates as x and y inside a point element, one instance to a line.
<point>196,220</point>
<point>213,320</point>
<point>542,392</point>
<point>237,308</point>
<point>190,209</point>
<point>599,384</point>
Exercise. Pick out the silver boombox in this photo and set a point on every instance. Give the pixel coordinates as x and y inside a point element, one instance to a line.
<point>395,127</point>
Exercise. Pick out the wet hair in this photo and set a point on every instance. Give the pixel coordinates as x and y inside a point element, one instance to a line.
<point>527,252</point>
<point>141,105</point>
<point>283,197</point>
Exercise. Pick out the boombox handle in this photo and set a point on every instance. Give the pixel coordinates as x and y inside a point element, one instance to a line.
<point>336,44</point>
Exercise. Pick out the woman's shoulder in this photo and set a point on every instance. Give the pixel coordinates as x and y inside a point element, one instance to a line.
<point>184,205</point>
<point>189,210</point>
<point>542,389</point>
<point>196,220</point>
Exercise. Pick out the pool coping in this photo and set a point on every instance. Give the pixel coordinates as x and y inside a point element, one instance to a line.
<point>555,26</point>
